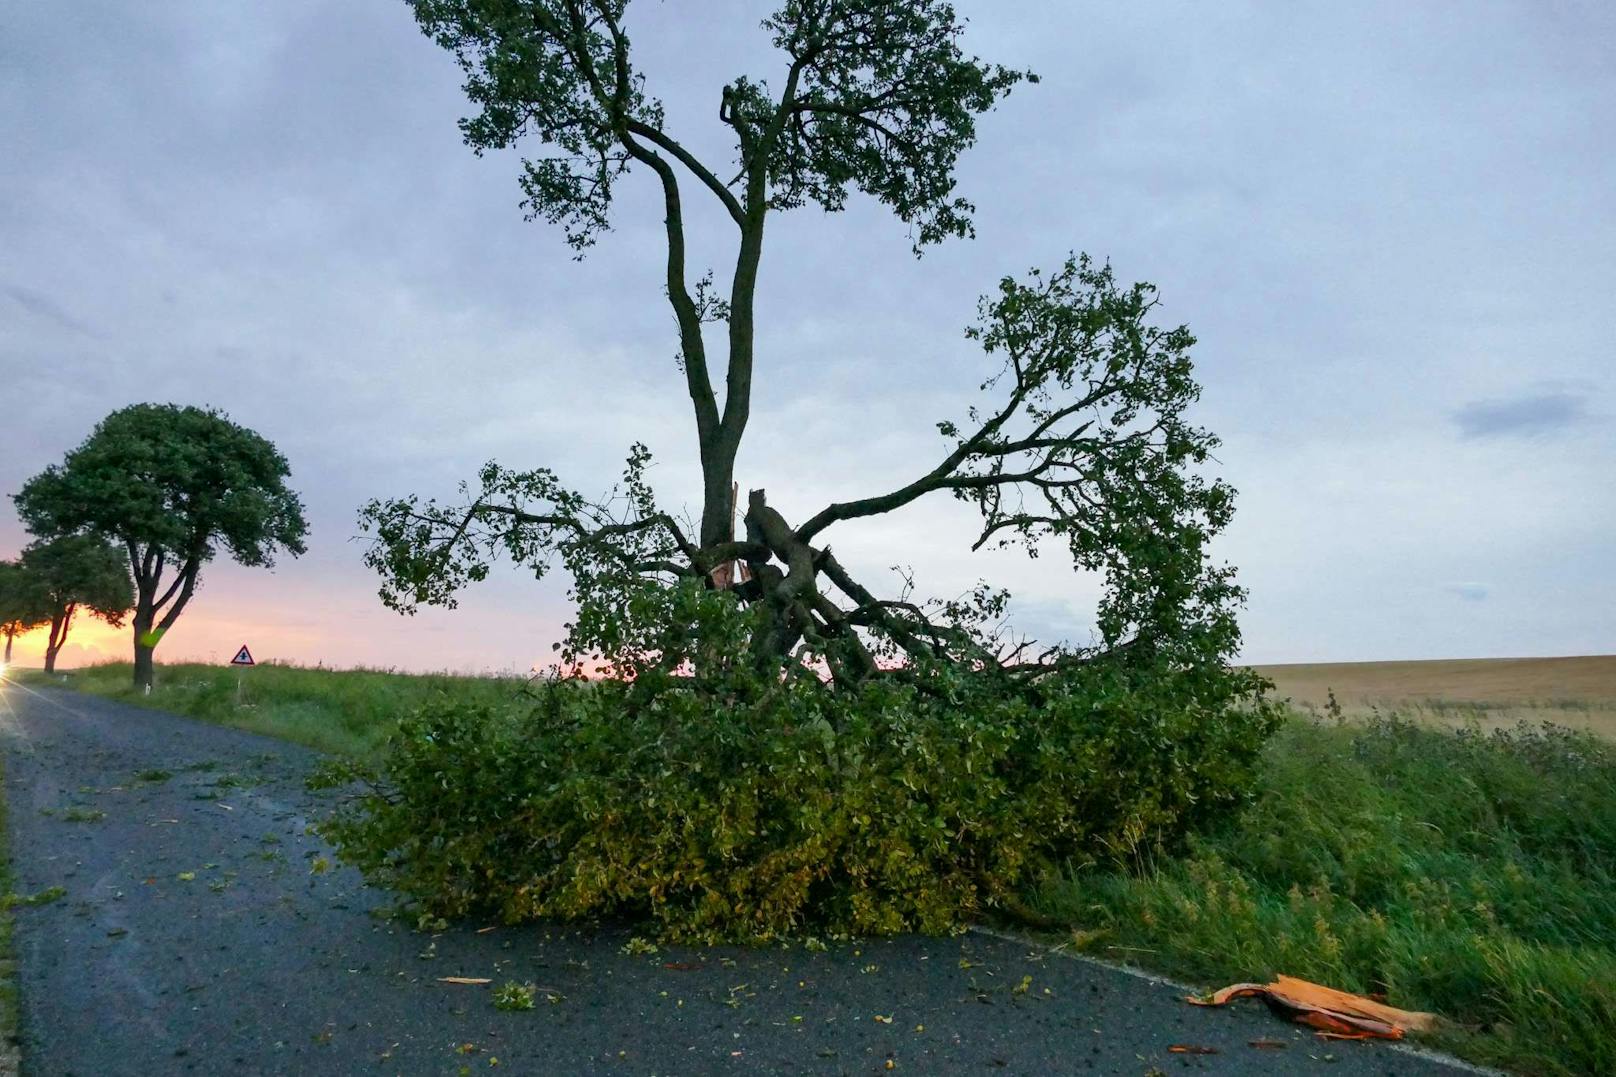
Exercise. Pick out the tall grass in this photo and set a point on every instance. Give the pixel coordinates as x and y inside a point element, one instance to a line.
<point>1469,874</point>
<point>345,712</point>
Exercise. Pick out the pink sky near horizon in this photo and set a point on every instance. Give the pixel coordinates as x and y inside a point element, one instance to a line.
<point>281,623</point>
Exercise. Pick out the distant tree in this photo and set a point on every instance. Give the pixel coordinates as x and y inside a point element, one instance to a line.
<point>22,605</point>
<point>1084,440</point>
<point>78,572</point>
<point>171,485</point>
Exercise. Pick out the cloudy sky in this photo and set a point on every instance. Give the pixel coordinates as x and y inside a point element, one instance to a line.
<point>1389,224</point>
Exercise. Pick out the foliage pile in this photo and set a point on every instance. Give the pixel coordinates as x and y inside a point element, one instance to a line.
<point>1465,873</point>
<point>748,806</point>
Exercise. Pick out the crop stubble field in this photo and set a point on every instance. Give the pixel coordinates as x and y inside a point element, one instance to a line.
<point>1578,692</point>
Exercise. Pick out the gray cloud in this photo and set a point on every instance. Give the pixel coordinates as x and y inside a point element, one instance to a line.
<point>1526,416</point>
<point>1052,621</point>
<point>1470,592</point>
<point>45,308</point>
<point>270,210</point>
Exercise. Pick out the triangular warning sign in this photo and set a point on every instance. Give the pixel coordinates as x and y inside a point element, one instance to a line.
<point>243,657</point>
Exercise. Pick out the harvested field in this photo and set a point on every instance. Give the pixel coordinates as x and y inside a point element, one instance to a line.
<point>1574,691</point>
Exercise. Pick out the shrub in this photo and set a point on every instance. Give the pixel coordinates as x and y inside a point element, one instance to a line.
<point>748,805</point>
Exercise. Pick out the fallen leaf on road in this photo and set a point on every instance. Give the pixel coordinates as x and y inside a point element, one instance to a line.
<point>1269,1045</point>
<point>683,966</point>
<point>1334,1014</point>
<point>464,980</point>
<point>1191,1049</point>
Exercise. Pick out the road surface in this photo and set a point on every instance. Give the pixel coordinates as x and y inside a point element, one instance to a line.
<point>197,934</point>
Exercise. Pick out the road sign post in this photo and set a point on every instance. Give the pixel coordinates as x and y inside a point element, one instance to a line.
<point>242,660</point>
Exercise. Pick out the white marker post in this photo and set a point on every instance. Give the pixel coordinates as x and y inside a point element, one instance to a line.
<point>243,659</point>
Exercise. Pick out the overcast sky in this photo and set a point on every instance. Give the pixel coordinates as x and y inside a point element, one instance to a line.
<point>1390,226</point>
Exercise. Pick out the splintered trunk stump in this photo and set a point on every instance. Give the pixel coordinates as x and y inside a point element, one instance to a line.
<point>718,501</point>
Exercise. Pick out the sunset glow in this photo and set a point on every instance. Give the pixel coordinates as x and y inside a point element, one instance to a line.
<point>89,641</point>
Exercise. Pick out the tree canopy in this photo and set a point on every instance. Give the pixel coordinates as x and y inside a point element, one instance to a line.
<point>23,606</point>
<point>172,486</point>
<point>78,572</point>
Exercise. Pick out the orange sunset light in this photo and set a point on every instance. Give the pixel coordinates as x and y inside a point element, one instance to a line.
<point>88,641</point>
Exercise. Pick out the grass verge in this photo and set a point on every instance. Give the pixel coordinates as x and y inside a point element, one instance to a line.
<point>1469,874</point>
<point>344,712</point>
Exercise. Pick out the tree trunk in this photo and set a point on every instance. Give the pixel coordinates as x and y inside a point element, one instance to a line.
<point>58,636</point>
<point>9,637</point>
<point>143,653</point>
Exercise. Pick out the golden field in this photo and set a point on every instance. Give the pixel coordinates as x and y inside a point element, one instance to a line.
<point>1574,691</point>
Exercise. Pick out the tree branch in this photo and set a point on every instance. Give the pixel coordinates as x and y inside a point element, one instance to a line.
<point>660,139</point>
<point>189,571</point>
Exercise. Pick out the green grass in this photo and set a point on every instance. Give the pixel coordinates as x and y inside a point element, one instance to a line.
<point>344,712</point>
<point>1468,874</point>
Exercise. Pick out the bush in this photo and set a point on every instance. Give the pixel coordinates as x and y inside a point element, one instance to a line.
<point>747,806</point>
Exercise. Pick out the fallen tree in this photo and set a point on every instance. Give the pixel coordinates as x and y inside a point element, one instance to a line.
<point>1083,437</point>
<point>777,746</point>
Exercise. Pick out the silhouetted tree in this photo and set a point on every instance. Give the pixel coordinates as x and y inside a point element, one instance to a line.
<point>22,605</point>
<point>172,486</point>
<point>78,572</point>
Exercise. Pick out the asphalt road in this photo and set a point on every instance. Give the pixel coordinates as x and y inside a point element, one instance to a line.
<point>196,936</point>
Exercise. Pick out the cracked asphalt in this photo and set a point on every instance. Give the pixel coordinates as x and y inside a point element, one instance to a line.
<point>202,932</point>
